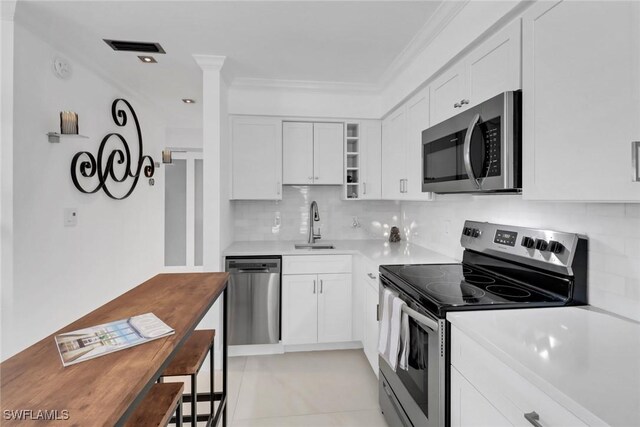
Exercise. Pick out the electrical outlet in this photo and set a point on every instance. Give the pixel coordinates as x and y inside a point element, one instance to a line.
<point>70,217</point>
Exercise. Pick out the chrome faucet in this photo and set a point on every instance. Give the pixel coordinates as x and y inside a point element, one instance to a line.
<point>313,217</point>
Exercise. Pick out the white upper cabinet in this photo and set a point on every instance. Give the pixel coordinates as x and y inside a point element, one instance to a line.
<point>256,158</point>
<point>393,154</point>
<point>363,175</point>
<point>328,143</point>
<point>312,153</point>
<point>297,149</point>
<point>402,149</point>
<point>371,159</point>
<point>446,93</point>
<point>488,70</point>
<point>417,121</point>
<point>581,100</point>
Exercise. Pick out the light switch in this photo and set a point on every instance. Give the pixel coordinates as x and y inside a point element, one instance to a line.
<point>70,217</point>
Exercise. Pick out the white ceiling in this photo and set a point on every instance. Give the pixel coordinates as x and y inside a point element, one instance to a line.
<point>315,41</point>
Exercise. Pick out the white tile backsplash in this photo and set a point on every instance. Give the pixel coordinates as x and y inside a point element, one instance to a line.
<point>256,220</point>
<point>613,230</point>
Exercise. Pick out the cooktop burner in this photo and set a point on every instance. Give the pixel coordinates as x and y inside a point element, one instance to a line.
<point>455,290</point>
<point>509,291</point>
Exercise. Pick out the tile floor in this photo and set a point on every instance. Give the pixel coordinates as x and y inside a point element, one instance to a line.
<point>321,388</point>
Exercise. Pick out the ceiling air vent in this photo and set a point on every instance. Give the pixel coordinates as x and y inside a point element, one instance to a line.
<point>130,46</point>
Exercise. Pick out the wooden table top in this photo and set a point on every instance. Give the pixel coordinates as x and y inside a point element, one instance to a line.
<point>103,390</point>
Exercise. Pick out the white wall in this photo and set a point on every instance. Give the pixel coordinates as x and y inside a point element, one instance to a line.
<point>62,273</point>
<point>184,137</point>
<point>7,10</point>
<point>255,220</point>
<point>298,102</point>
<point>613,231</point>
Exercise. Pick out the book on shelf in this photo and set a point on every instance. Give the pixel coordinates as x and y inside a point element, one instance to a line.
<point>88,343</point>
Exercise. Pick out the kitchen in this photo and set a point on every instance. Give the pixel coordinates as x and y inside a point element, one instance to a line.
<point>330,107</point>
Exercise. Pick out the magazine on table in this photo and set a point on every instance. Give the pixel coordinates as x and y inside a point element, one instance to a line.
<point>84,344</point>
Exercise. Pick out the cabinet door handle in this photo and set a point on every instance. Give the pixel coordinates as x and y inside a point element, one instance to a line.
<point>635,160</point>
<point>464,102</point>
<point>321,285</point>
<point>371,276</point>
<point>364,188</point>
<point>314,286</point>
<point>457,105</point>
<point>278,188</point>
<point>533,418</point>
<point>401,186</point>
<point>377,312</point>
<point>406,185</point>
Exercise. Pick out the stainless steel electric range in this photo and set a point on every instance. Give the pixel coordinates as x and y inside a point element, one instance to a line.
<point>503,267</point>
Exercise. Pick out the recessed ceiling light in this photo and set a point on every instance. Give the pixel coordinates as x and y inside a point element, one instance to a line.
<point>147,59</point>
<point>188,101</point>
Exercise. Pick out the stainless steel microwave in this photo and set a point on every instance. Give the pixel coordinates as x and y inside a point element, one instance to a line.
<point>478,150</point>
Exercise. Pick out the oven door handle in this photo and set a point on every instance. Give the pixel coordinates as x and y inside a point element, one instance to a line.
<point>466,149</point>
<point>421,318</point>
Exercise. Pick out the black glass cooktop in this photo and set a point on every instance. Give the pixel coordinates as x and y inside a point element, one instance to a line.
<point>449,287</point>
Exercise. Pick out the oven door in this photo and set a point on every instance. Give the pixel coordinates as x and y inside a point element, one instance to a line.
<point>473,151</point>
<point>420,390</point>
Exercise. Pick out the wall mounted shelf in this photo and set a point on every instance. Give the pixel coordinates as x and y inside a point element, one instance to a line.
<point>55,136</point>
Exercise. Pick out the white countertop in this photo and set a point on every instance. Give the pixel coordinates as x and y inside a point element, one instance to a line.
<point>378,251</point>
<point>582,357</point>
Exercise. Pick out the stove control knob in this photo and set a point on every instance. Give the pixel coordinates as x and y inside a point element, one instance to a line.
<point>541,245</point>
<point>527,242</point>
<point>466,231</point>
<point>555,247</point>
<point>475,232</point>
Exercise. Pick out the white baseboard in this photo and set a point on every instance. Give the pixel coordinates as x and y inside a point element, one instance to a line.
<point>255,350</point>
<point>348,345</point>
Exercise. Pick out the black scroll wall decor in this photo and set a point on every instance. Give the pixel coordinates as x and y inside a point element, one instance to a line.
<point>90,166</point>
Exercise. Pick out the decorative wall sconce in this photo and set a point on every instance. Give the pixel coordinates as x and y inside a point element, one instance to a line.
<point>68,123</point>
<point>91,166</point>
<point>166,156</point>
<point>68,127</point>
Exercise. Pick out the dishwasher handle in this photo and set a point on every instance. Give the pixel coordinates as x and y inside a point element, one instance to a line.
<point>250,270</point>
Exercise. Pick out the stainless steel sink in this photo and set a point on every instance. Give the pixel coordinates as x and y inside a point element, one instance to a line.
<point>314,246</point>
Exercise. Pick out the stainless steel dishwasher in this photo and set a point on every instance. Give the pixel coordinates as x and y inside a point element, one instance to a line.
<point>254,300</point>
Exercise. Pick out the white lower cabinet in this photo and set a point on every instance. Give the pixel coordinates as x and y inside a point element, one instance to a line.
<point>486,391</point>
<point>300,309</point>
<point>371,327</point>
<point>366,277</point>
<point>316,304</point>
<point>469,408</point>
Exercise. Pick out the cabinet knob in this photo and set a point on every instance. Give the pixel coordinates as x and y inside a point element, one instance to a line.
<point>464,102</point>
<point>457,105</point>
<point>317,177</point>
<point>371,276</point>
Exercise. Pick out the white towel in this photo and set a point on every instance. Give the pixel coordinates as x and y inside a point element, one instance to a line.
<point>383,340</point>
<point>403,361</point>
<point>391,346</point>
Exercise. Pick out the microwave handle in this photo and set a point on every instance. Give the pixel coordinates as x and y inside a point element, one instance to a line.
<point>466,149</point>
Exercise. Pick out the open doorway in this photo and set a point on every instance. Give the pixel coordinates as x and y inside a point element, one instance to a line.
<point>183,245</point>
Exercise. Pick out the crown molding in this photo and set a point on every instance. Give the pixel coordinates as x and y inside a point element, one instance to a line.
<point>304,85</point>
<point>210,62</point>
<point>440,19</point>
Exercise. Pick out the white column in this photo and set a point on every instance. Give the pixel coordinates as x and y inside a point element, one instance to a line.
<point>211,140</point>
<point>211,194</point>
<point>7,11</point>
